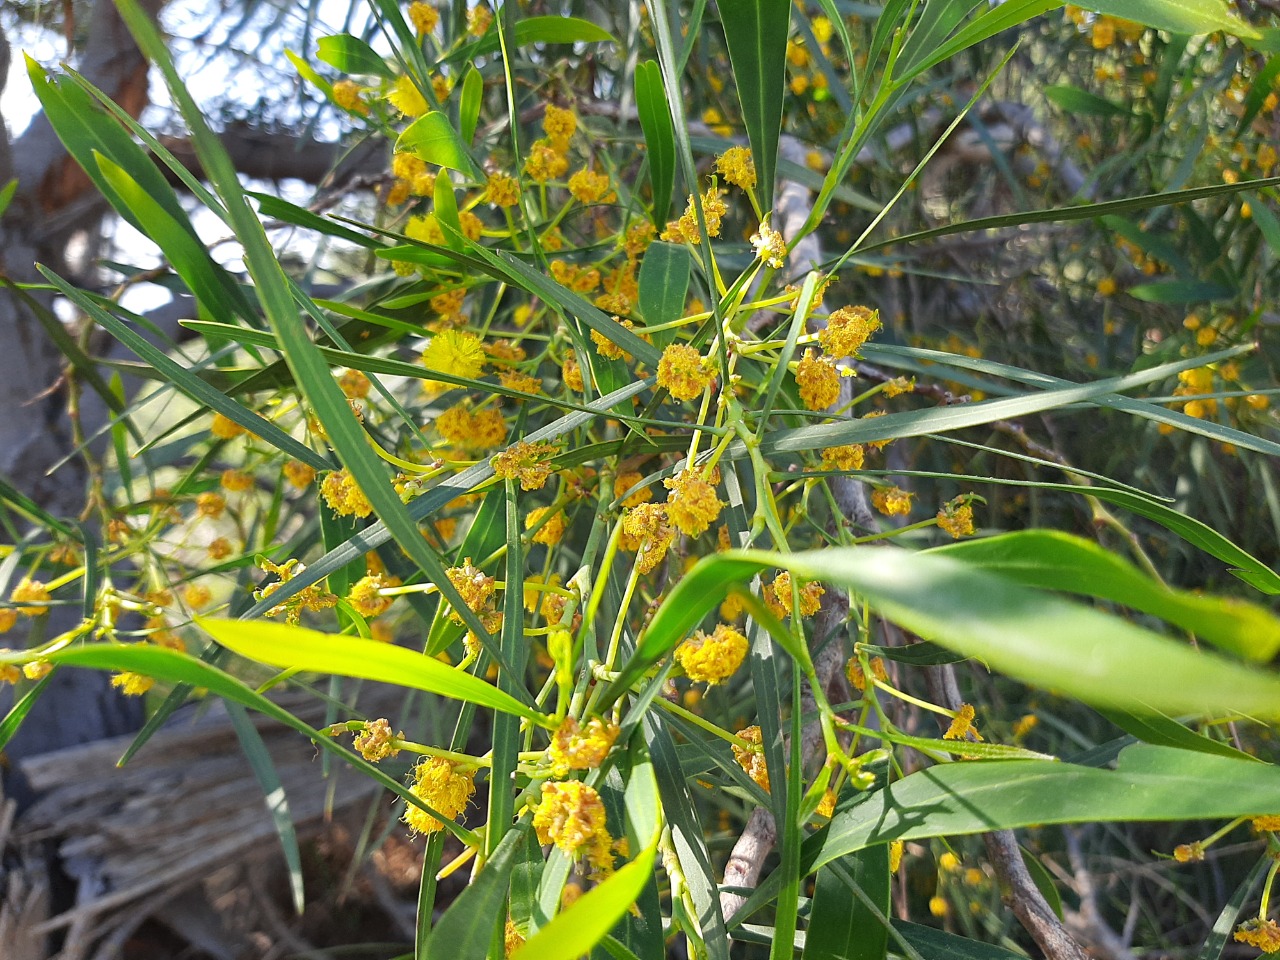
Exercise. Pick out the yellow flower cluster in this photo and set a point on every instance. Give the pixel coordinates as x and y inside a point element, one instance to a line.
<point>624,482</point>
<point>545,162</point>
<point>526,462</point>
<point>571,373</point>
<point>892,501</point>
<point>411,170</point>
<point>478,19</point>
<point>847,330</point>
<point>224,428</point>
<point>685,230</point>
<point>1260,933</point>
<point>576,748</point>
<point>962,724</point>
<point>956,518</point>
<point>479,430</point>
<point>586,186</point>
<point>1189,852</point>
<point>455,352</point>
<point>647,530</point>
<point>770,245</point>
<point>407,98</point>
<point>850,456</point>
<point>858,679</point>
<point>737,167</point>
<point>692,504</point>
<point>376,741</point>
<point>502,190</point>
<point>712,659</point>
<point>236,481</point>
<point>818,381</point>
<point>31,597</point>
<point>210,505</point>
<point>132,684</point>
<point>778,596</point>
<point>347,95</point>
<point>560,125</point>
<point>898,386</point>
<point>437,783</point>
<point>751,759</point>
<point>552,531</point>
<point>344,496</point>
<point>572,816</point>
<point>682,372</point>
<point>366,596</point>
<point>313,597</point>
<point>474,586</point>
<point>423,16</point>
<point>607,348</point>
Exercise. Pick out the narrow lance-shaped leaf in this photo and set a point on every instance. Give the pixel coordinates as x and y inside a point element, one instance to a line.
<point>297,648</point>
<point>1034,637</point>
<point>1058,561</point>
<point>659,139</point>
<point>756,32</point>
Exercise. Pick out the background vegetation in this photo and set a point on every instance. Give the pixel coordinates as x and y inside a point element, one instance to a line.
<point>724,481</point>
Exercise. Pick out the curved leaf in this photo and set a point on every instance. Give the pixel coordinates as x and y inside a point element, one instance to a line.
<point>352,55</point>
<point>297,648</point>
<point>432,138</point>
<point>1058,561</point>
<point>756,33</point>
<point>659,139</point>
<point>1149,783</point>
<point>1029,635</point>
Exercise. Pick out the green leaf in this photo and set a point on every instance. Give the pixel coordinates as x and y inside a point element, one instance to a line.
<point>1225,925</point>
<point>1058,561</point>
<point>664,285</point>
<point>6,195</point>
<point>432,138</point>
<point>18,712</point>
<point>1031,636</point>
<point>538,30</point>
<point>937,19</point>
<point>575,931</point>
<point>466,930</point>
<point>934,944</point>
<point>1149,783</point>
<point>185,380</point>
<point>185,251</point>
<point>844,926</point>
<point>1076,101</point>
<point>1165,732</point>
<point>352,55</point>
<point>264,771</point>
<point>1267,223</point>
<point>993,21</point>
<point>1178,16</point>
<point>279,209</point>
<point>756,33</point>
<point>297,648</point>
<point>920,654</point>
<point>304,359</point>
<point>1084,211</point>
<point>914,423</point>
<point>182,668</point>
<point>469,105</point>
<point>1043,880</point>
<point>659,139</point>
<point>446,210</point>
<point>1180,291</point>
